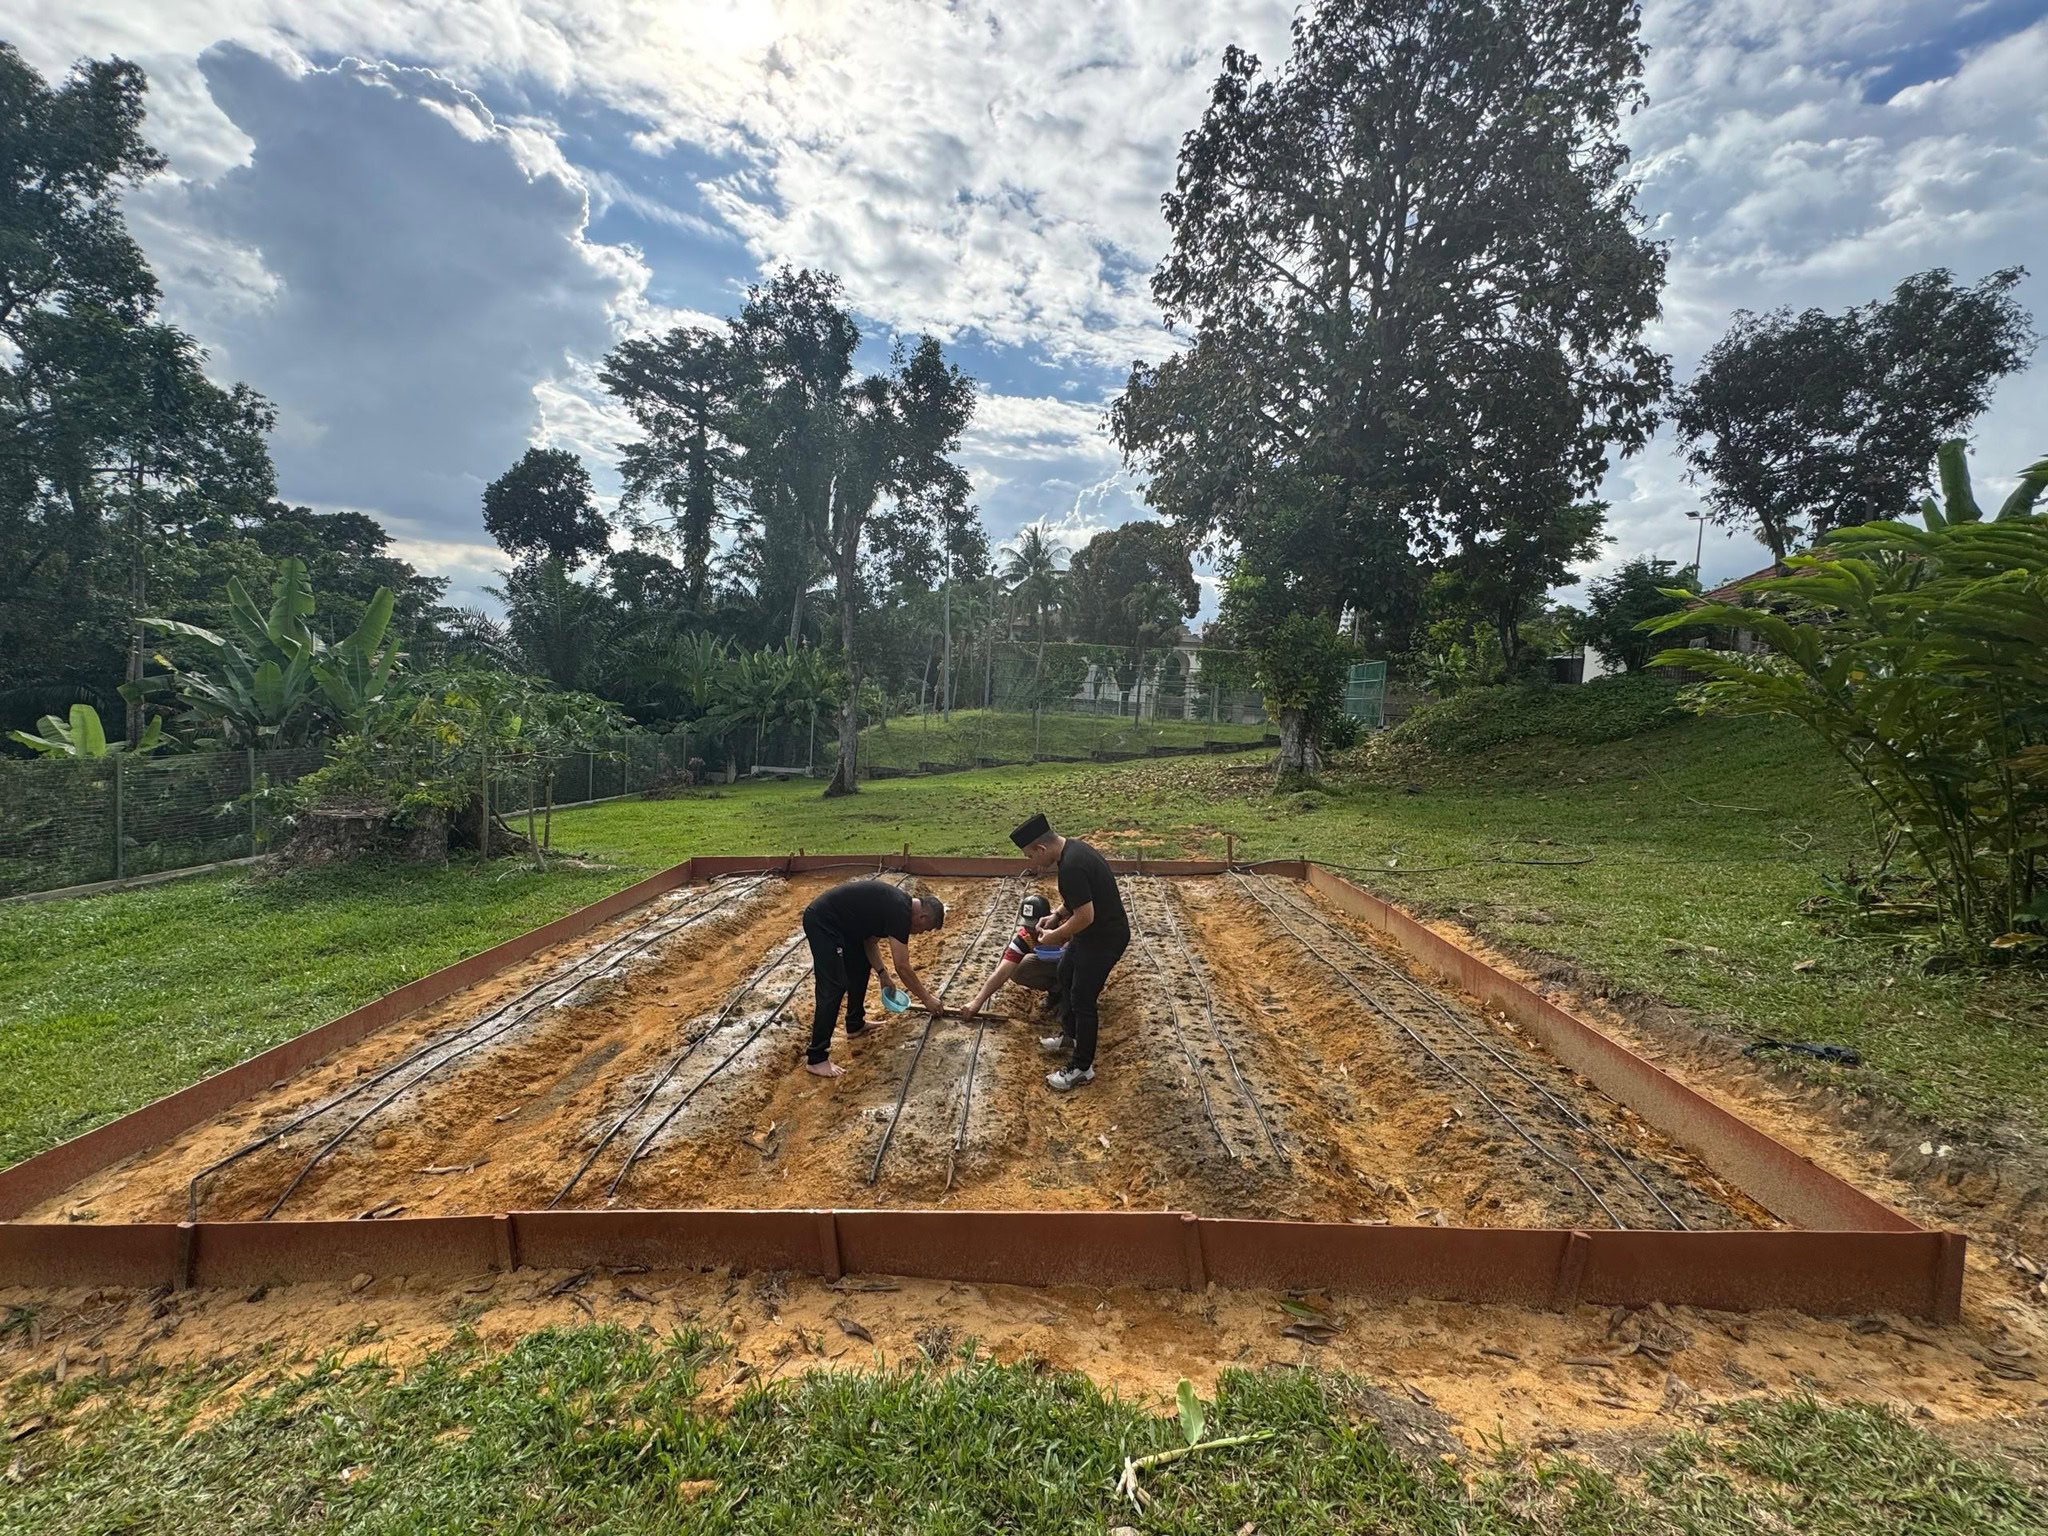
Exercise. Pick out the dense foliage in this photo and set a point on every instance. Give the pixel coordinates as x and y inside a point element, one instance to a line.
<point>1607,709</point>
<point>1919,655</point>
<point>1799,424</point>
<point>1416,284</point>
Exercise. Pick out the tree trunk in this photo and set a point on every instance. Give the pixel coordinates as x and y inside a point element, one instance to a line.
<point>1298,762</point>
<point>138,594</point>
<point>846,777</point>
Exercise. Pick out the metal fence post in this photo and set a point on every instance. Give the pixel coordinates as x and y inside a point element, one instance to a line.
<point>589,775</point>
<point>120,839</point>
<point>252,801</point>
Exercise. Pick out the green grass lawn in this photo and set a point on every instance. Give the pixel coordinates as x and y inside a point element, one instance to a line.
<point>1704,838</point>
<point>973,734</point>
<point>600,1429</point>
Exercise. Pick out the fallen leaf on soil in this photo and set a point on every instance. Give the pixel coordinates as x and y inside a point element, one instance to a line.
<point>26,1428</point>
<point>1499,1354</point>
<point>1805,965</point>
<point>847,1287</point>
<point>1595,1362</point>
<point>691,1489</point>
<point>359,1282</point>
<point>1309,1333</point>
<point>562,1287</point>
<point>853,1330</point>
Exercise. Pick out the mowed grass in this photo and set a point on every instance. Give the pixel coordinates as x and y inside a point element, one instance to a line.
<point>1673,863</point>
<point>600,1429</point>
<point>1008,736</point>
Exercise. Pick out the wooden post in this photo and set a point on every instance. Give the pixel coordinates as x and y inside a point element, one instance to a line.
<point>252,800</point>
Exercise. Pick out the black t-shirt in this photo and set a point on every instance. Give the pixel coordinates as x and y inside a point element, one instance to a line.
<point>1085,877</point>
<point>861,910</point>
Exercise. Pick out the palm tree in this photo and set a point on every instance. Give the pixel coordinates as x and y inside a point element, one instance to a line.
<point>1034,572</point>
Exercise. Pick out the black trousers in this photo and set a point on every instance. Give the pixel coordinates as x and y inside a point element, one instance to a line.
<point>839,969</point>
<point>1084,971</point>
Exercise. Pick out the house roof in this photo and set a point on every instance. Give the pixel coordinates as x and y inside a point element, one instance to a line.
<point>1731,591</point>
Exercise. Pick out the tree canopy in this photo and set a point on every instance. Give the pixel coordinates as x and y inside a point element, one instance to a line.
<point>1411,254</point>
<point>1800,423</point>
<point>543,506</point>
<point>1131,585</point>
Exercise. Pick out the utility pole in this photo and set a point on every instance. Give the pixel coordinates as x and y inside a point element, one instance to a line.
<point>988,665</point>
<point>946,675</point>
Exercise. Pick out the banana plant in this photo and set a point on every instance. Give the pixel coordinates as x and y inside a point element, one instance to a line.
<point>272,681</point>
<point>82,736</point>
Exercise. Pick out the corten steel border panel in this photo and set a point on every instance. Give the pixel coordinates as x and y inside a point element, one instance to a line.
<point>229,1254</point>
<point>1912,1272</point>
<point>133,1254</point>
<point>1143,1248</point>
<point>1515,1266</point>
<point>1862,1257</point>
<point>1764,1168</point>
<point>793,1240</point>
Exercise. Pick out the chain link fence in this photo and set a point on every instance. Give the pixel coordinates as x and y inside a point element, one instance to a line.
<point>75,822</point>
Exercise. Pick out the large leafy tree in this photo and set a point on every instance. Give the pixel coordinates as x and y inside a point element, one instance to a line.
<point>1802,423</point>
<point>1618,606</point>
<point>845,472</point>
<point>543,507</point>
<point>1132,585</point>
<point>683,390</point>
<point>113,441</point>
<point>1417,233</point>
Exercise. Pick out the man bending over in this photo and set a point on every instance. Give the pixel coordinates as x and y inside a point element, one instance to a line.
<point>846,926</point>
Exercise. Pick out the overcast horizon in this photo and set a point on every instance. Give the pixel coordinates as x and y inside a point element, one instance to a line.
<point>417,229</point>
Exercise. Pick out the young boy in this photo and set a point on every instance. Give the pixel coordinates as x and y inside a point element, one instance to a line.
<point>1021,961</point>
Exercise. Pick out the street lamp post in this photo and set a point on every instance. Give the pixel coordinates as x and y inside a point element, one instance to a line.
<point>1699,544</point>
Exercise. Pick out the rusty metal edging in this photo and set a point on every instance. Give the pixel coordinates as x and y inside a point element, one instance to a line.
<point>1768,1171</point>
<point>1911,1273</point>
<point>1863,1256</point>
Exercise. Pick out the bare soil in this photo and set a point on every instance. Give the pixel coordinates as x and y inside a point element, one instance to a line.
<point>1239,1073</point>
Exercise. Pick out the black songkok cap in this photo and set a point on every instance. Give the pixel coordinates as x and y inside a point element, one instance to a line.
<point>1032,831</point>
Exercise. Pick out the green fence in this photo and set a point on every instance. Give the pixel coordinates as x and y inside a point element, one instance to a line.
<point>66,822</point>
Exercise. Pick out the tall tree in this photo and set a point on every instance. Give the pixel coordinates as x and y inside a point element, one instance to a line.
<point>1035,576</point>
<point>543,506</point>
<point>1802,423</point>
<point>844,471</point>
<point>683,389</point>
<point>1132,585</point>
<point>112,438</point>
<point>1423,220</point>
<point>1618,605</point>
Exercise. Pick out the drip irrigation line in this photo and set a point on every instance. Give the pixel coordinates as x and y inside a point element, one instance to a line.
<point>924,1039</point>
<point>1384,1012</point>
<point>1187,1051</point>
<point>1571,1117</point>
<point>1215,1031</point>
<point>760,974</point>
<point>973,1062</point>
<point>569,983</point>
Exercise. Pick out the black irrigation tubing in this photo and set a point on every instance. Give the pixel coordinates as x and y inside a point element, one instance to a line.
<point>192,1193</point>
<point>1216,1033</point>
<point>468,1046</point>
<point>1186,1050</point>
<point>1384,1012</point>
<point>973,1061</point>
<point>1450,1016</point>
<point>760,974</point>
<point>903,1092</point>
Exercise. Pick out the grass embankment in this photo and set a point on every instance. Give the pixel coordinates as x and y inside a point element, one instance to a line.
<point>599,1429</point>
<point>973,734</point>
<point>1673,862</point>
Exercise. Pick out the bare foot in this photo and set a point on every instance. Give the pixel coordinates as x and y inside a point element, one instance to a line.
<point>824,1068</point>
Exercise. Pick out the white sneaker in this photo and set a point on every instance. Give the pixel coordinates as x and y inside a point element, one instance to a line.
<point>1056,1045</point>
<point>1067,1079</point>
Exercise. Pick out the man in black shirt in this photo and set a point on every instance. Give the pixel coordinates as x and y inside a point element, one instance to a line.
<point>1090,921</point>
<point>846,926</point>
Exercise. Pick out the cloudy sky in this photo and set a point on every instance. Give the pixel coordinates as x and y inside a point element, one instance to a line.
<point>416,227</point>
